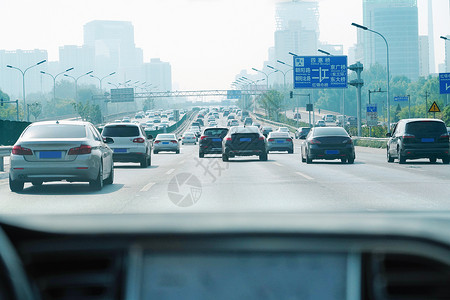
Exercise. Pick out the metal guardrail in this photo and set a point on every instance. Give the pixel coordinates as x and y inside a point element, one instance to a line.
<point>4,151</point>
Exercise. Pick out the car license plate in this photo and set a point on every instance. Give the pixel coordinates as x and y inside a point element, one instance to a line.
<point>331,151</point>
<point>245,139</point>
<point>50,154</point>
<point>216,140</point>
<point>120,150</point>
<point>427,140</point>
<point>280,141</point>
<point>165,143</point>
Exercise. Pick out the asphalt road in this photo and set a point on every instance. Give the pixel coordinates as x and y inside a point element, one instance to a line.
<point>184,183</point>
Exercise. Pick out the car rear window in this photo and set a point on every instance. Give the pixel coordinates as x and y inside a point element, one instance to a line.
<point>246,129</point>
<point>57,131</point>
<point>425,127</point>
<point>165,136</point>
<point>120,131</point>
<point>279,135</point>
<point>222,132</point>
<point>330,131</point>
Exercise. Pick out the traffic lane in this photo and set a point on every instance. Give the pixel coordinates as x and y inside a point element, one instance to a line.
<point>73,198</point>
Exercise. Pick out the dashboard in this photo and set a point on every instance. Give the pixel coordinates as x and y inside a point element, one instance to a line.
<point>226,256</point>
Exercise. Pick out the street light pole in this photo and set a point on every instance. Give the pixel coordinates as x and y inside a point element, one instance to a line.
<point>267,76</point>
<point>23,83</point>
<point>76,83</point>
<point>101,79</point>
<point>387,71</point>
<point>54,81</point>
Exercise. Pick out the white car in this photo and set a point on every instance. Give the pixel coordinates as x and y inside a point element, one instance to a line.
<point>129,143</point>
<point>196,130</point>
<point>166,142</point>
<point>189,138</point>
<point>283,129</point>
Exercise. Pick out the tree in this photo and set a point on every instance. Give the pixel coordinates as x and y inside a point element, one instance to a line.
<point>272,102</point>
<point>35,109</point>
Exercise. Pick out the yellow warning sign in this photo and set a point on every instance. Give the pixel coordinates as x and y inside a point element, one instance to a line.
<point>434,108</point>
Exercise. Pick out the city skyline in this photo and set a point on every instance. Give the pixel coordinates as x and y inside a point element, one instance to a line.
<point>161,31</point>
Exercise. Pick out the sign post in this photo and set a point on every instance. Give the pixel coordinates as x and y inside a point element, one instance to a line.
<point>404,99</point>
<point>371,116</point>
<point>444,85</point>
<point>434,108</point>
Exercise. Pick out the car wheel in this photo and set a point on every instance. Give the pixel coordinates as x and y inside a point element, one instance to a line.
<point>301,156</point>
<point>37,183</point>
<point>263,157</point>
<point>149,160</point>
<point>177,152</point>
<point>432,160</point>
<point>155,152</point>
<point>110,178</point>
<point>351,160</point>
<point>343,160</point>
<point>389,157</point>
<point>144,163</point>
<point>401,158</point>
<point>446,160</point>
<point>97,184</point>
<point>291,151</point>
<point>182,143</point>
<point>201,155</point>
<point>224,157</point>
<point>16,185</point>
<point>308,159</point>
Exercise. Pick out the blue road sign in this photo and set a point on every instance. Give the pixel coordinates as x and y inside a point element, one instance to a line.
<point>401,98</point>
<point>234,94</point>
<point>319,72</point>
<point>444,83</point>
<point>371,108</point>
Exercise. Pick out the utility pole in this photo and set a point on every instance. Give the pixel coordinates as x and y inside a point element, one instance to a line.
<point>358,83</point>
<point>426,103</point>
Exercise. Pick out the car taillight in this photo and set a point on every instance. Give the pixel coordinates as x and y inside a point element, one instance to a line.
<point>288,140</point>
<point>347,141</point>
<point>19,150</point>
<point>174,141</point>
<point>408,136</point>
<point>156,142</point>
<point>271,140</point>
<point>203,137</point>
<point>228,139</point>
<point>138,140</point>
<point>261,138</point>
<point>314,141</point>
<point>83,149</point>
<point>445,136</point>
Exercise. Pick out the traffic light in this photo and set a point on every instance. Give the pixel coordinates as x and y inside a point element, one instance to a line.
<point>291,94</point>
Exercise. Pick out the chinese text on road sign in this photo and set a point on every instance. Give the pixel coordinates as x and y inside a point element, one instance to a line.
<point>444,83</point>
<point>320,72</point>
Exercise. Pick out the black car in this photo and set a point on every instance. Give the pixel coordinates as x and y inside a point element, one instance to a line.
<point>328,143</point>
<point>418,138</point>
<point>244,141</point>
<point>200,121</point>
<point>266,130</point>
<point>302,132</point>
<point>211,141</point>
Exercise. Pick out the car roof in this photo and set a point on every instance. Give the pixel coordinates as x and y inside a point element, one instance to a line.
<point>123,124</point>
<point>61,122</point>
<point>420,120</point>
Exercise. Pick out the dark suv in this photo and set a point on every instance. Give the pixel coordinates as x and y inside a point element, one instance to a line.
<point>244,141</point>
<point>211,141</point>
<point>418,138</point>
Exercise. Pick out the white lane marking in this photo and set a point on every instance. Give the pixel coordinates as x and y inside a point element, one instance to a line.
<point>182,162</point>
<point>304,175</point>
<point>278,164</point>
<point>147,187</point>
<point>170,171</point>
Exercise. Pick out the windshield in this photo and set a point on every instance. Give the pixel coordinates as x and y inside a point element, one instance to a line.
<point>214,68</point>
<point>56,131</point>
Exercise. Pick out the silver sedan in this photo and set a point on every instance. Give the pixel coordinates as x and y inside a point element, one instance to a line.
<point>60,150</point>
<point>166,142</point>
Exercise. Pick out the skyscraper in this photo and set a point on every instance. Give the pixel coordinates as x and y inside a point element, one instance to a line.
<point>424,56</point>
<point>397,21</point>
<point>297,29</point>
<point>159,74</point>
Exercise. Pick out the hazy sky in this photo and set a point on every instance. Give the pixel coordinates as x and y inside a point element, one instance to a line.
<point>206,41</point>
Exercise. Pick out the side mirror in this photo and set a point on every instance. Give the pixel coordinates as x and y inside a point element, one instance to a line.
<point>303,137</point>
<point>108,140</point>
<point>179,139</point>
<point>388,134</point>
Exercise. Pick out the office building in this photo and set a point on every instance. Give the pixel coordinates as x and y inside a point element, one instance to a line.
<point>159,74</point>
<point>397,21</point>
<point>424,56</point>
